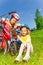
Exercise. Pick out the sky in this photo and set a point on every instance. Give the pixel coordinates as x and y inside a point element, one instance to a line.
<point>25,8</point>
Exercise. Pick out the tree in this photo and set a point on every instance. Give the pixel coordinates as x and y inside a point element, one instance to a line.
<point>38,19</point>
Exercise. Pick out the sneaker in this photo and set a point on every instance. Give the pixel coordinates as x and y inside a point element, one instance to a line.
<point>24,60</point>
<point>17,60</point>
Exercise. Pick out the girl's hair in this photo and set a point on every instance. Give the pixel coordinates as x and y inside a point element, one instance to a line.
<point>28,30</point>
<point>25,27</point>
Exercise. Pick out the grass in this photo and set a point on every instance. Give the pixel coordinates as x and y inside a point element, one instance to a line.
<point>35,59</point>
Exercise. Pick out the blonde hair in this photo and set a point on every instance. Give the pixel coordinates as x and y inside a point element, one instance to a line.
<point>28,30</point>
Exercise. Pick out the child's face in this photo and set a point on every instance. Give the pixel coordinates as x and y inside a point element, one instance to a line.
<point>23,31</point>
<point>13,21</point>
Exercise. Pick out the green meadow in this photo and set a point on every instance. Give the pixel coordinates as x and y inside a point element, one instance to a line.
<point>36,57</point>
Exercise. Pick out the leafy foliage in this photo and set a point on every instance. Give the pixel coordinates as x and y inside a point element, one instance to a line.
<point>38,20</point>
